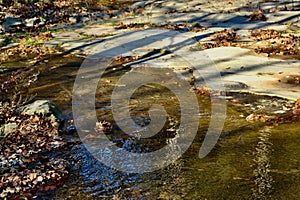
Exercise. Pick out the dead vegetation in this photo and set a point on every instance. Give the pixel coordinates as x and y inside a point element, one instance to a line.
<point>274,43</point>
<point>26,141</point>
<point>25,165</point>
<point>223,38</point>
<point>266,41</point>
<point>258,16</point>
<point>30,46</point>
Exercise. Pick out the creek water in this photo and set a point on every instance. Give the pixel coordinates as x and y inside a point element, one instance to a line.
<point>252,160</point>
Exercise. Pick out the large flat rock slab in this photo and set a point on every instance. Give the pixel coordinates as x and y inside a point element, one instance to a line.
<point>225,14</point>
<point>240,69</point>
<point>262,75</point>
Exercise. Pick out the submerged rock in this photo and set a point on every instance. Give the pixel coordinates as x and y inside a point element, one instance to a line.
<point>45,108</point>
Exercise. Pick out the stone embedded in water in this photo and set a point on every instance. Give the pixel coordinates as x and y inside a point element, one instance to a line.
<point>31,22</point>
<point>45,108</point>
<point>73,19</point>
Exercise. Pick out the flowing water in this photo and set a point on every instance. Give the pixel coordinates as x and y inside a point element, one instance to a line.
<point>252,160</point>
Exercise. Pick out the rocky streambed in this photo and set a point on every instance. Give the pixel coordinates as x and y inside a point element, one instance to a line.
<point>255,157</point>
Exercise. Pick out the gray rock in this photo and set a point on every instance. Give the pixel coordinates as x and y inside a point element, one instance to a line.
<point>31,22</point>
<point>96,15</point>
<point>45,108</point>
<point>106,16</point>
<point>119,13</point>
<point>10,23</point>
<point>279,112</point>
<point>73,19</point>
<point>138,5</point>
<point>52,44</point>
<point>235,85</point>
<point>85,19</point>
<point>10,46</point>
<point>3,69</point>
<point>297,24</point>
<point>7,128</point>
<point>42,23</point>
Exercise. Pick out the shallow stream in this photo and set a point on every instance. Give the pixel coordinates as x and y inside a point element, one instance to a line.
<point>252,160</point>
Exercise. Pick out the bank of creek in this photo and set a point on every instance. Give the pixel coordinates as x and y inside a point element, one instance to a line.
<point>253,159</point>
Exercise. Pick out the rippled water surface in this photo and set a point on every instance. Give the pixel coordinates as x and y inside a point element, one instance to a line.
<point>252,160</point>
